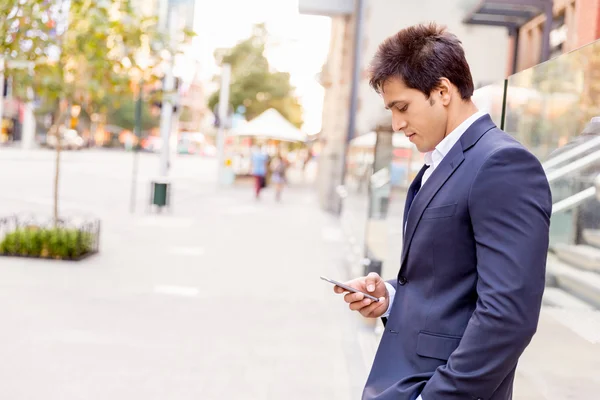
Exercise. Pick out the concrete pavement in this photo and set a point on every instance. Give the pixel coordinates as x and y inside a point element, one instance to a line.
<point>219,300</point>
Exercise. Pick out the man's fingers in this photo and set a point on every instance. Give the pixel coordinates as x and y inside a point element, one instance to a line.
<point>371,281</point>
<point>338,289</point>
<point>375,308</point>
<point>359,305</point>
<point>352,297</point>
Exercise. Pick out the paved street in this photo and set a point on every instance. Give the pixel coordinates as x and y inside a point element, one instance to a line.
<point>220,299</point>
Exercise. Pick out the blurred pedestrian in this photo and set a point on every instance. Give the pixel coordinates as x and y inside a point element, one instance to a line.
<point>278,168</point>
<point>259,162</point>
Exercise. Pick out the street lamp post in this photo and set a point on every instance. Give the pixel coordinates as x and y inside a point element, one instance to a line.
<point>136,146</point>
<point>223,114</point>
<point>142,61</point>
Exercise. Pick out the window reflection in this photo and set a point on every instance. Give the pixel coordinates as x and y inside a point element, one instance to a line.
<point>552,109</point>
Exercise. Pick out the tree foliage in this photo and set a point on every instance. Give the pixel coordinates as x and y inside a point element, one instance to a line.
<point>123,114</point>
<point>105,48</point>
<point>82,52</point>
<point>253,84</point>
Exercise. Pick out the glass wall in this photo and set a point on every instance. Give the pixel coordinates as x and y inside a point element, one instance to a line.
<point>490,99</point>
<point>549,108</point>
<point>380,166</point>
<point>549,105</point>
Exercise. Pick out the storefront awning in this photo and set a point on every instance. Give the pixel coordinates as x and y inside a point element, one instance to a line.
<point>507,13</point>
<point>513,14</point>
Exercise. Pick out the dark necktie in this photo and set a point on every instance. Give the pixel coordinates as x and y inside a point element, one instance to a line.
<point>414,188</point>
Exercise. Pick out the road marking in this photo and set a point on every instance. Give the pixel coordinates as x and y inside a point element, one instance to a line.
<point>165,222</point>
<point>182,291</point>
<point>187,251</point>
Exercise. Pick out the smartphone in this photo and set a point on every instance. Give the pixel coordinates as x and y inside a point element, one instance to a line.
<point>350,289</point>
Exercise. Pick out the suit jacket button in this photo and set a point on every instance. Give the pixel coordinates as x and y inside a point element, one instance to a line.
<point>402,280</point>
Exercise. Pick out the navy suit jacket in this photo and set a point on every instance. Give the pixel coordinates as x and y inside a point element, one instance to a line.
<point>472,274</point>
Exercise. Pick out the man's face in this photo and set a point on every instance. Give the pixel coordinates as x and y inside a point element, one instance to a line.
<point>422,120</point>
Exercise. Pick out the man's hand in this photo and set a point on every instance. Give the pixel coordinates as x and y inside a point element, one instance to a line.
<point>375,286</point>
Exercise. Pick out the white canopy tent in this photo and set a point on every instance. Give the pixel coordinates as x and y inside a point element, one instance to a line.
<point>270,125</point>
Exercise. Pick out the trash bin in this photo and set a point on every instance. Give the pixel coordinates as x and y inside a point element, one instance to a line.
<point>160,193</point>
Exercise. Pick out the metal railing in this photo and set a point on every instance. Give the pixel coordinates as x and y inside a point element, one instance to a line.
<point>575,200</point>
<point>575,166</point>
<point>570,154</point>
<point>578,198</point>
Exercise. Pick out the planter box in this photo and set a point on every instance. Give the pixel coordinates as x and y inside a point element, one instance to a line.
<point>29,237</point>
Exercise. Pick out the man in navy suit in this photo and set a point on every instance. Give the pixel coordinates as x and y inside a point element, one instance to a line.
<point>466,301</point>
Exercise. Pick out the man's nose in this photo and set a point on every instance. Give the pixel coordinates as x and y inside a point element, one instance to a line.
<point>398,124</point>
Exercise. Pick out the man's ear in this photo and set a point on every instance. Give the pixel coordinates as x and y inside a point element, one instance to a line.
<point>443,91</point>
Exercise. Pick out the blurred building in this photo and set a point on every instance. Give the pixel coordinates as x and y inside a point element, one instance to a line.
<point>192,101</point>
<point>12,117</point>
<point>575,23</point>
<point>484,47</point>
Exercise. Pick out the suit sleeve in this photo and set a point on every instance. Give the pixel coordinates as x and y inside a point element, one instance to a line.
<point>394,283</point>
<point>510,206</point>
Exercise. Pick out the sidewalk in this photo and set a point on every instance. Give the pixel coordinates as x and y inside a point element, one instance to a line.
<point>219,300</point>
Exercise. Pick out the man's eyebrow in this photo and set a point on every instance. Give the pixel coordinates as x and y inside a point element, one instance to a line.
<point>393,103</point>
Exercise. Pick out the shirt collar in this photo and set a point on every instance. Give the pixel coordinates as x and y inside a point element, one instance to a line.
<point>436,156</point>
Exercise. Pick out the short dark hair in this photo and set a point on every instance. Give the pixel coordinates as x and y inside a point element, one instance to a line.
<point>421,55</point>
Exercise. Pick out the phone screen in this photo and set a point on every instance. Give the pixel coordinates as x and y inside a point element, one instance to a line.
<point>348,288</point>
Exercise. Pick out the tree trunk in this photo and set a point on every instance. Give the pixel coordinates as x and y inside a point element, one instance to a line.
<point>55,129</point>
<point>56,178</point>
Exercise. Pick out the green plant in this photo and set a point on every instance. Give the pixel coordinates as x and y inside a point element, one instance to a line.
<point>59,243</point>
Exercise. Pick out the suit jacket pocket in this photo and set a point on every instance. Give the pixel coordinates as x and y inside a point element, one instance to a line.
<point>437,346</point>
<point>439,211</point>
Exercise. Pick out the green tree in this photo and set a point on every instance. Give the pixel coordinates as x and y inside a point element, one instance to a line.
<point>86,53</point>
<point>122,113</point>
<point>253,84</point>
<point>25,27</point>
<point>99,55</point>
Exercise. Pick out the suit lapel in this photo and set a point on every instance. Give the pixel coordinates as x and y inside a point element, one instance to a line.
<point>410,196</point>
<point>440,175</point>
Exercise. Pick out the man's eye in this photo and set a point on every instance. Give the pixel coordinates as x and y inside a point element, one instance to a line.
<point>403,109</point>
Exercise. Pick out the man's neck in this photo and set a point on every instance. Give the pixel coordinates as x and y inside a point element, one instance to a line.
<point>463,111</point>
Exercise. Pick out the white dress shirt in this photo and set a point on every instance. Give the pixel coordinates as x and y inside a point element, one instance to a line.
<point>433,159</point>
